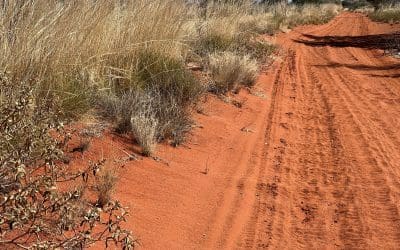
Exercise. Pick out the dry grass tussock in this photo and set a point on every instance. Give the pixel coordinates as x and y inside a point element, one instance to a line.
<point>309,14</point>
<point>144,127</point>
<point>105,186</point>
<point>230,70</point>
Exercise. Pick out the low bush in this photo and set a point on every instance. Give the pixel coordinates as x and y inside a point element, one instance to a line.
<point>263,23</point>
<point>173,120</point>
<point>229,70</point>
<point>76,98</point>
<point>144,128</point>
<point>42,203</point>
<point>254,47</point>
<point>160,94</point>
<point>168,77</point>
<point>105,186</point>
<point>237,39</point>
<point>311,14</point>
<point>210,42</point>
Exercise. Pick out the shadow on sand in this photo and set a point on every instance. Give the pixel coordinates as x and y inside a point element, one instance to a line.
<point>360,66</point>
<point>378,41</point>
<point>381,71</point>
<point>388,41</point>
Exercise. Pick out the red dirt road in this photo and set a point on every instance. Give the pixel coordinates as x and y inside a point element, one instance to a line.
<point>315,164</point>
<point>331,177</point>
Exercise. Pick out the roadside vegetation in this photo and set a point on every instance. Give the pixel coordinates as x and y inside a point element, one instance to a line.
<point>129,58</point>
<point>389,13</point>
<point>43,205</point>
<point>127,62</point>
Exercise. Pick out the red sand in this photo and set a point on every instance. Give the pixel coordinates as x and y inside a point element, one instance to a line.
<point>314,164</point>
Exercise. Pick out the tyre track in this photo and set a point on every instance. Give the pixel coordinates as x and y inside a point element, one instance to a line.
<point>322,170</point>
<point>332,170</point>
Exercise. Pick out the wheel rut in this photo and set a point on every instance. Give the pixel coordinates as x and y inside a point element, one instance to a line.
<point>330,172</point>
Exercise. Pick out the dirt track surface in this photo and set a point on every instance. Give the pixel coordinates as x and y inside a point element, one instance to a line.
<point>331,167</point>
<point>311,160</point>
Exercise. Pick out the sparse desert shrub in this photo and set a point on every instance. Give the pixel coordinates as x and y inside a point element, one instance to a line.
<point>173,119</point>
<point>120,108</point>
<point>225,71</point>
<point>255,48</point>
<point>229,69</point>
<point>386,13</point>
<point>310,14</point>
<point>42,203</point>
<point>235,38</point>
<point>144,127</point>
<point>162,89</point>
<point>105,186</point>
<point>263,23</point>
<point>220,32</point>
<point>75,98</point>
<point>167,77</point>
<point>210,42</point>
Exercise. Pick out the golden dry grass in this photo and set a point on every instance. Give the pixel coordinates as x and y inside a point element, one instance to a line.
<point>387,13</point>
<point>230,70</point>
<point>82,51</point>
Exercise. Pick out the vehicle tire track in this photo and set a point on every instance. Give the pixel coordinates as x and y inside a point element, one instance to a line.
<point>331,176</point>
